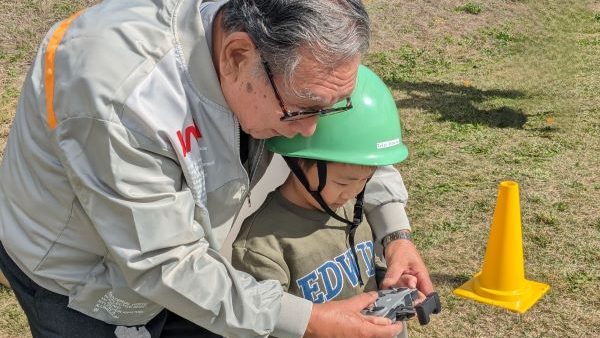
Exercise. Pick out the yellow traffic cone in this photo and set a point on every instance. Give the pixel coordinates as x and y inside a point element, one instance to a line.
<point>501,281</point>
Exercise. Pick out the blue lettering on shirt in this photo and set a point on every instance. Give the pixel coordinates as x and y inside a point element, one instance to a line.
<point>327,281</point>
<point>333,286</point>
<point>365,248</point>
<point>346,261</point>
<point>310,288</point>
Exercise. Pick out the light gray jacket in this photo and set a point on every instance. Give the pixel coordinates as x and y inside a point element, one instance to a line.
<point>124,202</point>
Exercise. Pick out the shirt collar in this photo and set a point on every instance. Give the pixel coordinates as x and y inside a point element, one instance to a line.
<point>193,24</point>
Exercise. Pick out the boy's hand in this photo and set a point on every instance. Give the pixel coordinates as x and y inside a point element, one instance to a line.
<point>343,319</point>
<point>405,267</point>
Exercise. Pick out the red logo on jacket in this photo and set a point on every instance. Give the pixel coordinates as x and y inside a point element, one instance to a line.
<point>186,144</point>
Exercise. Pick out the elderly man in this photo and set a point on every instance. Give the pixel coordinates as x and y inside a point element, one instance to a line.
<point>137,138</point>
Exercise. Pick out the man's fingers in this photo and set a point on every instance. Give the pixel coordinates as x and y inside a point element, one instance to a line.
<point>408,281</point>
<point>405,280</point>
<point>424,283</point>
<point>378,320</point>
<point>376,327</point>
<point>395,277</point>
<point>383,330</point>
<point>361,301</point>
<point>421,298</point>
<point>392,275</point>
<point>344,319</point>
<point>420,281</point>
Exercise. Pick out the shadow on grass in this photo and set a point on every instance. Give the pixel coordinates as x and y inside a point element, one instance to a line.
<point>459,103</point>
<point>453,281</point>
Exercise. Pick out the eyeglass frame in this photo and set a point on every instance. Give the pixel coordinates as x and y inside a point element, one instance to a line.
<point>301,114</point>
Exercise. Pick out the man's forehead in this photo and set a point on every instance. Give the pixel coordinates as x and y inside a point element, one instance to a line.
<point>319,83</point>
<point>307,95</point>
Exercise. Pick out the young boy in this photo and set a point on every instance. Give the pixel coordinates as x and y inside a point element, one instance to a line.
<point>309,234</point>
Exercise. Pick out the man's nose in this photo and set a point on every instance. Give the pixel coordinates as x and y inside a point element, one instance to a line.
<point>306,127</point>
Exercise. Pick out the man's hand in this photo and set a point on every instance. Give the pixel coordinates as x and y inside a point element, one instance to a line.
<point>343,319</point>
<point>405,267</point>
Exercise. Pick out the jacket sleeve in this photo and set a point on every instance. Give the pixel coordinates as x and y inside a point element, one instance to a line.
<point>139,205</point>
<point>385,198</point>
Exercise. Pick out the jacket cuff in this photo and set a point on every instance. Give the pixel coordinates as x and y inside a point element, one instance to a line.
<point>388,218</point>
<point>293,317</point>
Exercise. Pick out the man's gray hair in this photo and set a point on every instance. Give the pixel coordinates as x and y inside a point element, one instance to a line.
<point>333,31</point>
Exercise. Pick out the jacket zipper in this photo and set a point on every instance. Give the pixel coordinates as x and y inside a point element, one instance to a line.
<point>249,176</point>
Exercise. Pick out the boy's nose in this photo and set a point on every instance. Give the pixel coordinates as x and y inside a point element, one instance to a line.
<point>352,192</point>
<point>346,195</point>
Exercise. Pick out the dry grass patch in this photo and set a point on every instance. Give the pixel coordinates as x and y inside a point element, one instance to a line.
<point>519,102</point>
<point>13,323</point>
<point>24,24</point>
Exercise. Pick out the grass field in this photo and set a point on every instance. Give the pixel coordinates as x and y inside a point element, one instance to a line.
<point>487,91</point>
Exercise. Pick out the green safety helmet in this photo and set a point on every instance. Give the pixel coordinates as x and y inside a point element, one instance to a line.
<point>368,134</point>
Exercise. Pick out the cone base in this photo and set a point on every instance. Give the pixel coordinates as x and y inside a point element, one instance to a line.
<point>521,300</point>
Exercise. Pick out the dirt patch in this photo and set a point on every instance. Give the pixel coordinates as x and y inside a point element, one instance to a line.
<point>594,7</point>
<point>419,23</point>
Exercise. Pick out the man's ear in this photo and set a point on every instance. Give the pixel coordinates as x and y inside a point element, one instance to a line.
<point>237,55</point>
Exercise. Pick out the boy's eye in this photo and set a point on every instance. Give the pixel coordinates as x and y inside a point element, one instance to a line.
<point>341,184</point>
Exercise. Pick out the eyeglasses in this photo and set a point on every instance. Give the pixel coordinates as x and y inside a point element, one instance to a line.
<point>302,114</point>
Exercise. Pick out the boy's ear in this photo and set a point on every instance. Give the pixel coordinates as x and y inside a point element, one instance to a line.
<point>237,55</point>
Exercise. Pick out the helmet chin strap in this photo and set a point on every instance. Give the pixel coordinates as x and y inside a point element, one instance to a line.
<point>316,194</point>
